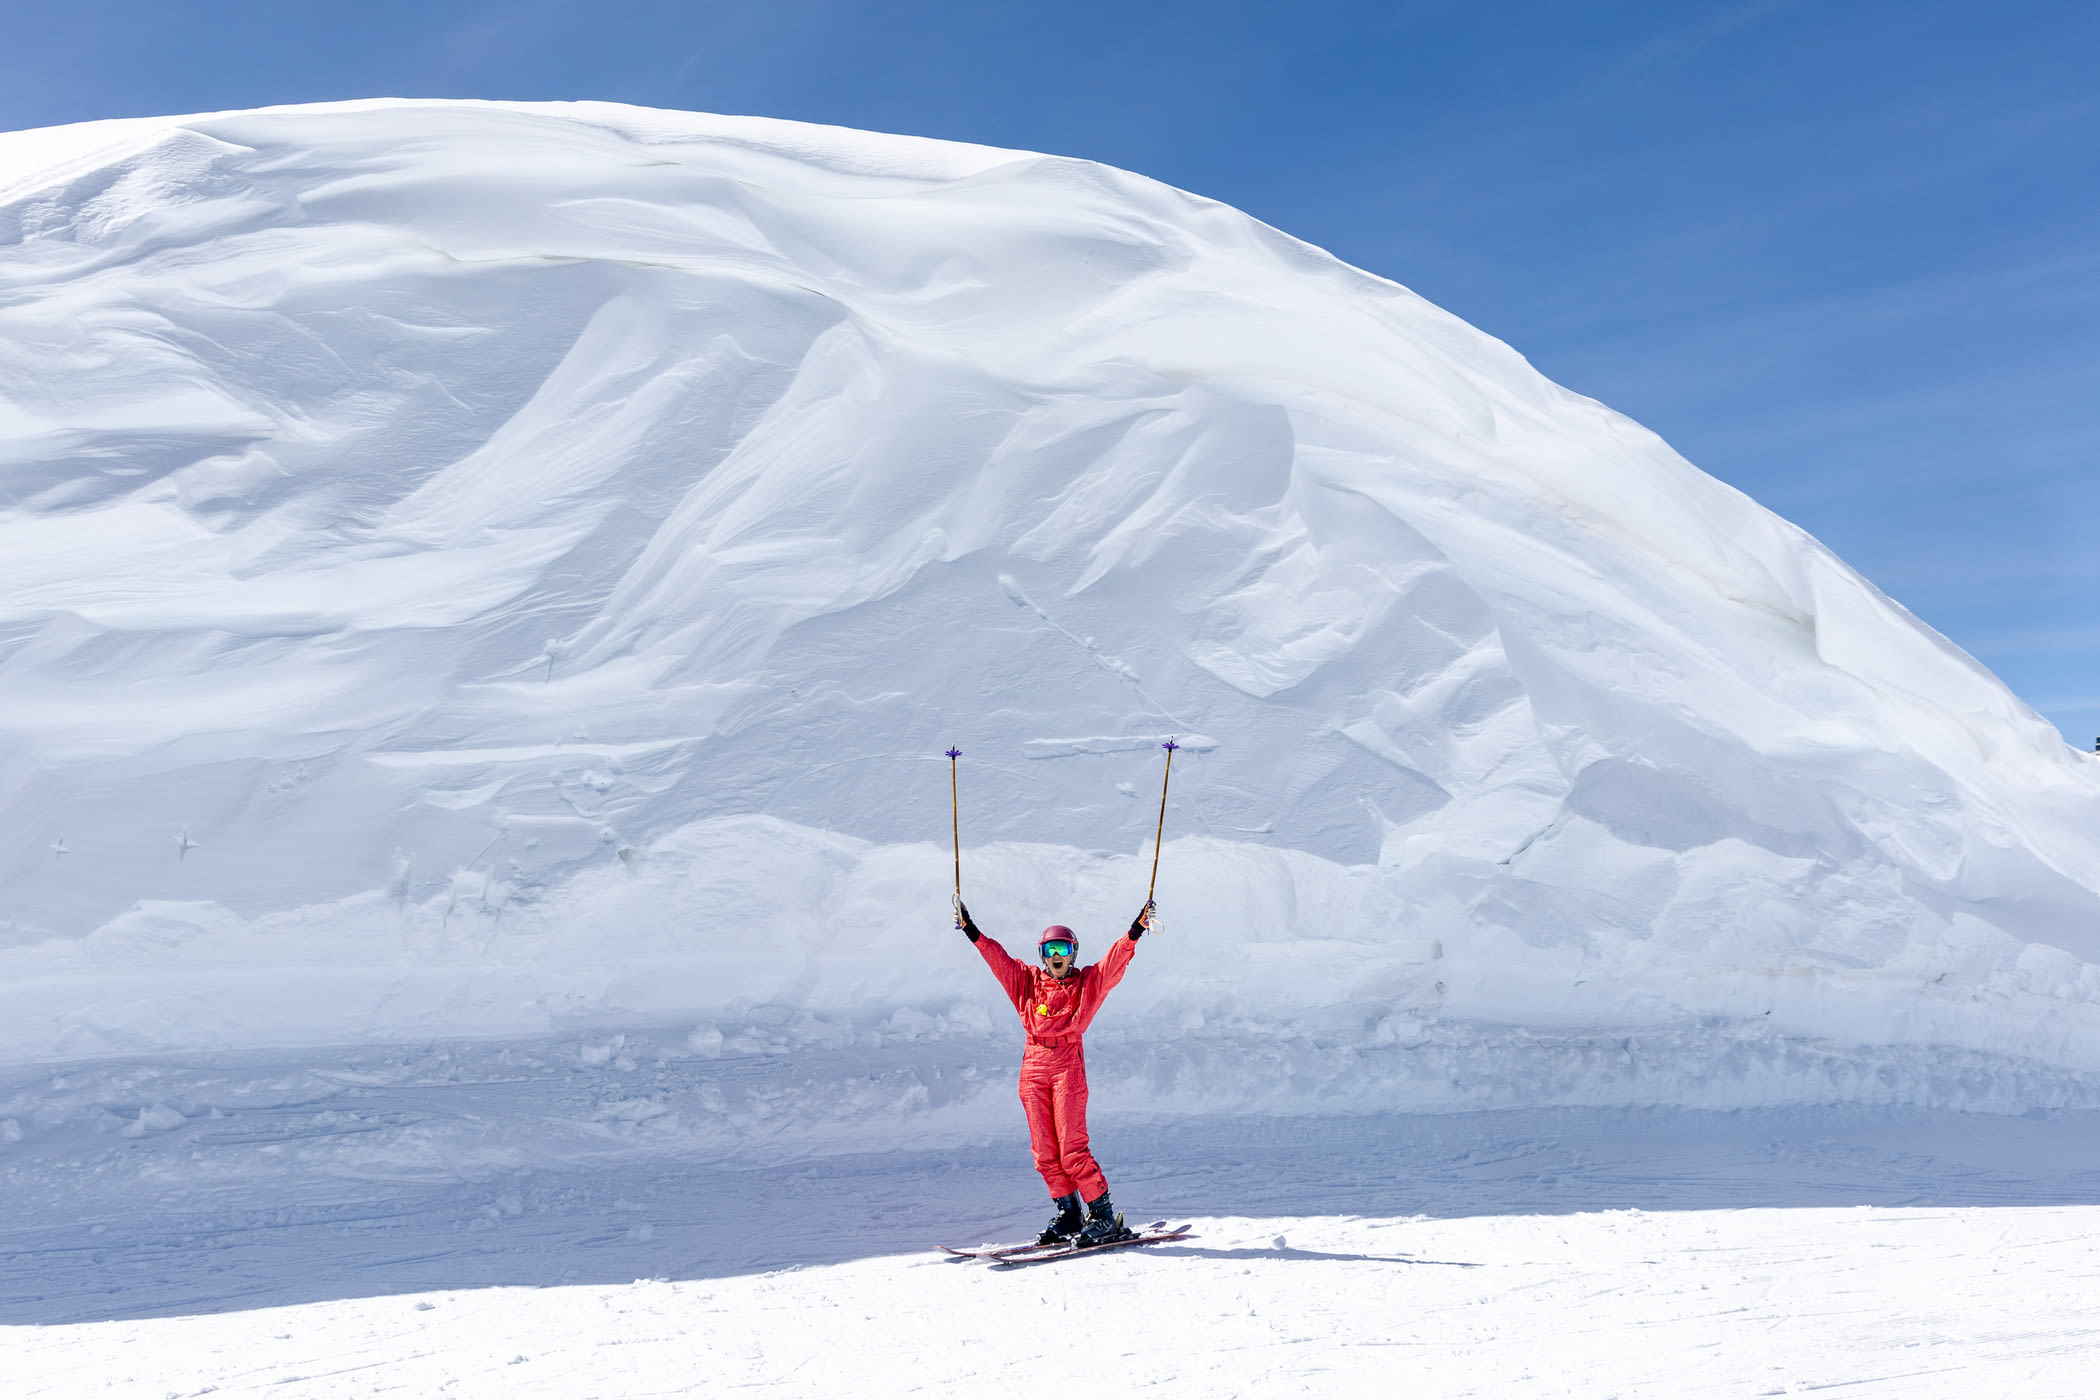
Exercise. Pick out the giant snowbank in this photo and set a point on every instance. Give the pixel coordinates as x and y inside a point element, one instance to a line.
<point>475,569</point>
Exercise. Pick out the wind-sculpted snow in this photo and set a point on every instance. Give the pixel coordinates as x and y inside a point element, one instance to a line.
<point>476,569</point>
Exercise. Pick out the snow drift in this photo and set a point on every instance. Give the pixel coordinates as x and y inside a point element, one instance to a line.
<point>484,569</point>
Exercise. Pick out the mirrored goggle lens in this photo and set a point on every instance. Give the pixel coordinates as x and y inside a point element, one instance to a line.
<point>1057,948</point>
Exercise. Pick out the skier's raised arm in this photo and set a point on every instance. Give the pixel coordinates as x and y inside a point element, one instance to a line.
<point>1014,978</point>
<point>1115,962</point>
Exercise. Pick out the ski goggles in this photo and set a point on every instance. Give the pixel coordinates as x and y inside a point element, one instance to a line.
<point>1056,948</point>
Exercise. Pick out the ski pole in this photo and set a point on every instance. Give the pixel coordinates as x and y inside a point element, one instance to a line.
<point>955,822</point>
<point>1165,778</point>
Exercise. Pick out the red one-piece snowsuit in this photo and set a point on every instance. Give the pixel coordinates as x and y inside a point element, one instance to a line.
<point>1055,1013</point>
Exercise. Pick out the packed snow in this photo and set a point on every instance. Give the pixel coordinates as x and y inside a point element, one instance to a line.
<point>484,592</point>
<point>534,1219</point>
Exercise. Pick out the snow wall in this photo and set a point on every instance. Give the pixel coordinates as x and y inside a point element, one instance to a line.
<point>477,569</point>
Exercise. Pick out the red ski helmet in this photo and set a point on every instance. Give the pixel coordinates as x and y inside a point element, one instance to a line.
<point>1057,932</point>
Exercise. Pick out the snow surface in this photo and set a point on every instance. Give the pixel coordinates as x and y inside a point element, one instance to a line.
<point>484,590</point>
<point>1902,1305</point>
<point>473,1220</point>
<point>476,568</point>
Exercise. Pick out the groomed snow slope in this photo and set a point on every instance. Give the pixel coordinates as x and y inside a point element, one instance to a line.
<point>1910,1304</point>
<point>477,569</point>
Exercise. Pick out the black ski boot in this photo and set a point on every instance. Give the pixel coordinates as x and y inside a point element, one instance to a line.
<point>1104,1225</point>
<point>1067,1223</point>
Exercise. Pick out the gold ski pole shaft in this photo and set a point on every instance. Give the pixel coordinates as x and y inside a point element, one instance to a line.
<point>955,823</point>
<point>1165,778</point>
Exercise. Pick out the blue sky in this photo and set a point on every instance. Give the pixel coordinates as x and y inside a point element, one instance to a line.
<point>1844,254</point>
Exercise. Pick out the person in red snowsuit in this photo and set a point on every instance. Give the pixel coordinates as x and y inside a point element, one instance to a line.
<point>1057,1002</point>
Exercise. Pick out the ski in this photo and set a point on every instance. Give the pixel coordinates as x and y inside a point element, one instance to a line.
<point>999,1251</point>
<point>991,1251</point>
<point>1155,1233</point>
<point>1007,1254</point>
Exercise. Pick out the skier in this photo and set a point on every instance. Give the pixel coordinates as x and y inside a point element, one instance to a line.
<point>1057,1002</point>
